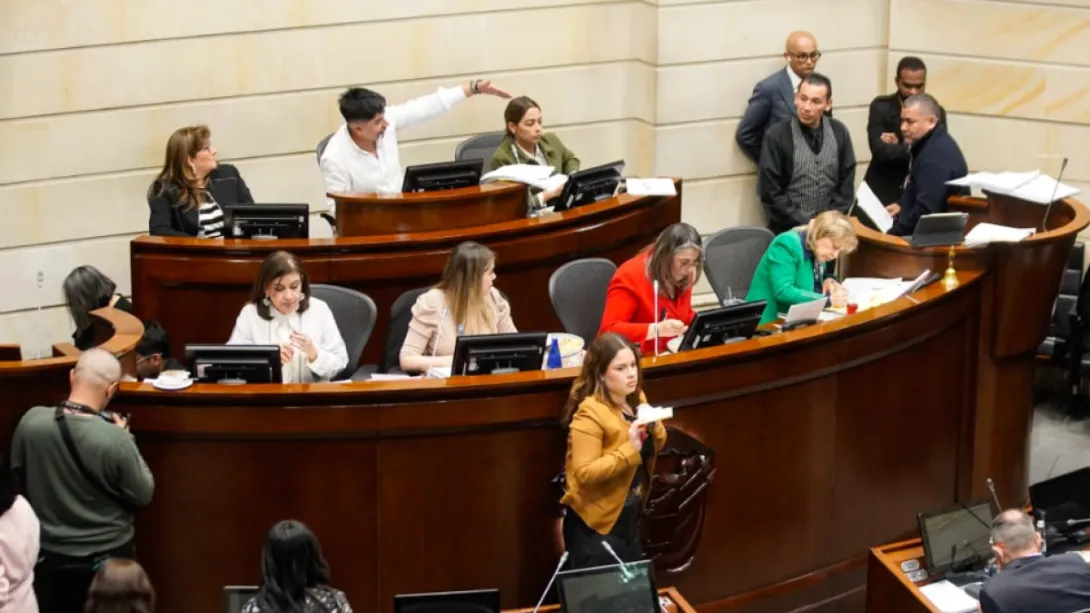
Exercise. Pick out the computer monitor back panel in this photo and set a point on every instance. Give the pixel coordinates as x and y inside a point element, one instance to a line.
<point>441,176</point>
<point>485,354</point>
<point>723,325</point>
<point>471,601</point>
<point>1063,497</point>
<point>629,588</point>
<point>956,531</point>
<point>267,221</point>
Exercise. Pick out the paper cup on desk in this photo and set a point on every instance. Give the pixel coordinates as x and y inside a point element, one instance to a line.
<point>571,348</point>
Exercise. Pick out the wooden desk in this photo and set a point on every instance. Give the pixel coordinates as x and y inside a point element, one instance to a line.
<point>361,214</point>
<point>672,601</point>
<point>27,383</point>
<point>888,589</point>
<point>196,287</point>
<point>1017,295</point>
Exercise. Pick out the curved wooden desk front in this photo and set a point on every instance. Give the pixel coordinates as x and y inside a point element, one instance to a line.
<point>1017,294</point>
<point>27,383</point>
<point>820,450</point>
<point>195,287</point>
<point>360,214</point>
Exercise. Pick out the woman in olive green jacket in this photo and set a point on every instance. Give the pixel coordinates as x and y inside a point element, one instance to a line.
<point>793,268</point>
<point>526,143</point>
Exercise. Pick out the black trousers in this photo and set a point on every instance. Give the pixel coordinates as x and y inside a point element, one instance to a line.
<point>584,544</point>
<point>61,582</point>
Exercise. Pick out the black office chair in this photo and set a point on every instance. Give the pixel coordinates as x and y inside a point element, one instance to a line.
<point>1054,349</point>
<point>355,314</point>
<point>480,147</point>
<point>401,313</point>
<point>318,151</point>
<point>578,293</point>
<point>730,259</point>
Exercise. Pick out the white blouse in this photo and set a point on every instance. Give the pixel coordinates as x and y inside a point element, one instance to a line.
<point>317,323</point>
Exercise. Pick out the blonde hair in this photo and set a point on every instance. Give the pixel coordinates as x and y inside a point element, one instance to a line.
<point>463,288</point>
<point>590,380</point>
<point>835,226</point>
<point>177,174</point>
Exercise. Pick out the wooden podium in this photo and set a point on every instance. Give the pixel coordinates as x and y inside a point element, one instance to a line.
<point>361,214</point>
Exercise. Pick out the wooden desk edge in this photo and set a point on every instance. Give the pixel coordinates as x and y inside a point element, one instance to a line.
<point>680,605</point>
<point>128,329</point>
<point>894,568</point>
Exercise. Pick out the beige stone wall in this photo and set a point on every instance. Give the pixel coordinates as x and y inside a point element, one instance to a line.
<point>1014,77</point>
<point>90,90</point>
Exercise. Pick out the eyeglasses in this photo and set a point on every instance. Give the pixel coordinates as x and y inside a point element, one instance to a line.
<point>802,57</point>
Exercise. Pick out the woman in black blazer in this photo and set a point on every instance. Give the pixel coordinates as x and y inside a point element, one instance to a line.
<point>187,196</point>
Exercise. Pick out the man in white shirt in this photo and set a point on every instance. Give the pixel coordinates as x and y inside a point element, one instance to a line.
<point>362,155</point>
<point>773,98</point>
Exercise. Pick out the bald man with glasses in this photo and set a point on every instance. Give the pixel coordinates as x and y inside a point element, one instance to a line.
<point>773,99</point>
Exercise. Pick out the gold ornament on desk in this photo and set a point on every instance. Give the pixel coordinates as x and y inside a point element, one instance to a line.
<point>950,279</point>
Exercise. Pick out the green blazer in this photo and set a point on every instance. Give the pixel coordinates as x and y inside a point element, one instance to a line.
<point>556,154</point>
<point>784,276</point>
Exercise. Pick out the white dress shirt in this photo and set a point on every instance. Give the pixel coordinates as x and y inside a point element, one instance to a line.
<point>796,80</point>
<point>347,168</point>
<point>317,323</point>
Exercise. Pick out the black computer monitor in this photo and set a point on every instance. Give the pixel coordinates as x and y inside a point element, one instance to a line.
<point>494,354</point>
<point>956,536</point>
<point>266,221</point>
<point>473,601</point>
<point>234,363</point>
<point>443,175</point>
<point>629,588</point>
<point>589,186</point>
<point>1062,498</point>
<point>236,596</point>
<point>723,325</point>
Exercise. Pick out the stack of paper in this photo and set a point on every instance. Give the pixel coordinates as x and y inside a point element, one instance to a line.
<point>1031,186</point>
<point>949,598</point>
<point>984,233</point>
<point>650,187</point>
<point>869,292</point>
<point>874,208</point>
<point>531,174</point>
<point>646,414</point>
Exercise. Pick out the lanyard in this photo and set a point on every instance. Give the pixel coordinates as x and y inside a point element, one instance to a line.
<point>537,152</point>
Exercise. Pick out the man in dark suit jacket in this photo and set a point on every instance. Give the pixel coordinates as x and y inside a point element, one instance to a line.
<point>935,159</point>
<point>773,98</point>
<point>1028,581</point>
<point>889,154</point>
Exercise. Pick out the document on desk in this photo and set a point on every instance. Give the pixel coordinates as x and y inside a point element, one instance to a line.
<point>984,234</point>
<point>869,292</point>
<point>806,310</point>
<point>949,598</point>
<point>873,207</point>
<point>650,187</point>
<point>1031,186</point>
<point>530,174</point>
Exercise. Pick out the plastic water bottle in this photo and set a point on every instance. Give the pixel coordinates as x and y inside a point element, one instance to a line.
<point>554,360</point>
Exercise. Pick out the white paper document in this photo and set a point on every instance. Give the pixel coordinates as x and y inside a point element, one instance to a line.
<point>805,310</point>
<point>651,187</point>
<point>550,182</point>
<point>869,292</point>
<point>1031,186</point>
<point>985,233</point>
<point>874,208</point>
<point>530,174</point>
<point>438,372</point>
<point>949,598</point>
<point>382,376</point>
<point>646,414</point>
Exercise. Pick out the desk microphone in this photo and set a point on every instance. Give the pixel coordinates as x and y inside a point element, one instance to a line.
<point>626,575</point>
<point>1071,523</point>
<point>655,283</point>
<point>439,331</point>
<point>995,497</point>
<point>563,559</point>
<point>1052,198</point>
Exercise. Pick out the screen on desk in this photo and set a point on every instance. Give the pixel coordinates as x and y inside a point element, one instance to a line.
<point>1064,497</point>
<point>607,589</point>
<point>267,221</point>
<point>956,534</point>
<point>441,175</point>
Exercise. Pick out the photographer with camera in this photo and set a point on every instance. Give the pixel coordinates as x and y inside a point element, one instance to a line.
<point>83,475</point>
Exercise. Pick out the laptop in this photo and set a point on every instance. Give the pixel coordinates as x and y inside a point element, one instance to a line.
<point>939,230</point>
<point>628,588</point>
<point>957,536</point>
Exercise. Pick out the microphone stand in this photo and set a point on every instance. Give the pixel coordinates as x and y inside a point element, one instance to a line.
<point>563,559</point>
<point>626,575</point>
<point>656,324</point>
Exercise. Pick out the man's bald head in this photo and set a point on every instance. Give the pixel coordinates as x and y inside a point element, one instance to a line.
<point>801,52</point>
<point>97,369</point>
<point>929,107</point>
<point>919,116</point>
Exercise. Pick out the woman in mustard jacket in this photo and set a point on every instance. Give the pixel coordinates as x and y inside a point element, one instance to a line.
<point>610,459</point>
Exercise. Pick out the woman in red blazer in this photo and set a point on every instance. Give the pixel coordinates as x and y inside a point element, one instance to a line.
<point>674,260</point>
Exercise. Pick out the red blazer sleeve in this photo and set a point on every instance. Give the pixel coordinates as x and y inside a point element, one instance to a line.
<point>622,303</point>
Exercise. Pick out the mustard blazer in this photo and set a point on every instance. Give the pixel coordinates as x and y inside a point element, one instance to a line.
<point>602,462</point>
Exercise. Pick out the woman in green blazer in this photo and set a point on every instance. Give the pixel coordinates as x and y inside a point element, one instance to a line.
<point>526,143</point>
<point>793,269</point>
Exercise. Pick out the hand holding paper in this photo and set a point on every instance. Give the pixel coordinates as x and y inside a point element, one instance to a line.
<point>646,414</point>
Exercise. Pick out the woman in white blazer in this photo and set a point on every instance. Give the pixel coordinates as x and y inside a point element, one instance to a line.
<point>281,312</point>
